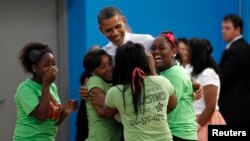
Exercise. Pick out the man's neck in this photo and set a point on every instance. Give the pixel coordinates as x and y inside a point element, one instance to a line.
<point>232,41</point>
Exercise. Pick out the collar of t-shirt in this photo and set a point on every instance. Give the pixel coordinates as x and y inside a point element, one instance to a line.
<point>231,42</point>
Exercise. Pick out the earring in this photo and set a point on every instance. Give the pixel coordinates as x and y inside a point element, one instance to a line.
<point>174,56</point>
<point>34,70</point>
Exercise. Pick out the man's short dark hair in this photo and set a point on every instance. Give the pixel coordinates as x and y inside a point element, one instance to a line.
<point>236,20</point>
<point>107,13</point>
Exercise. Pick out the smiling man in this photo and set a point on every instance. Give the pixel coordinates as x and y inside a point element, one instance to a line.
<point>113,25</point>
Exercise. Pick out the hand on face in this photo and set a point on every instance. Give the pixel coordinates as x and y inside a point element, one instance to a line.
<point>50,75</point>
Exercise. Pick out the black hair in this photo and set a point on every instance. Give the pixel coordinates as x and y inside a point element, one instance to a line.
<point>31,54</point>
<point>92,60</point>
<point>236,20</point>
<point>201,56</point>
<point>183,40</point>
<point>128,57</point>
<point>107,13</point>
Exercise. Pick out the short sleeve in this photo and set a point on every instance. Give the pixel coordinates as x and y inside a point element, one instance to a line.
<point>209,77</point>
<point>94,81</point>
<point>169,86</point>
<point>178,86</point>
<point>27,98</point>
<point>110,98</point>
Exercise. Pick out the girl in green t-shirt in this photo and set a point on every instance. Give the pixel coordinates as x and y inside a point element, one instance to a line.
<point>181,120</point>
<point>141,99</point>
<point>39,110</point>
<point>99,69</point>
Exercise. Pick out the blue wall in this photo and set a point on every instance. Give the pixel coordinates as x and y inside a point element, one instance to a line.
<point>186,18</point>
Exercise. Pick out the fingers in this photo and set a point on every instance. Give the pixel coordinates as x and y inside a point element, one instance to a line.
<point>71,105</point>
<point>196,85</point>
<point>83,92</point>
<point>198,93</point>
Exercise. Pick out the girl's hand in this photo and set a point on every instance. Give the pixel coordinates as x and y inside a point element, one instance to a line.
<point>50,75</point>
<point>71,106</point>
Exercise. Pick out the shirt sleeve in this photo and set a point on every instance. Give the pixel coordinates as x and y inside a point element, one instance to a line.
<point>170,87</point>
<point>110,98</point>
<point>178,86</point>
<point>94,81</point>
<point>209,77</point>
<point>27,98</point>
<point>150,40</point>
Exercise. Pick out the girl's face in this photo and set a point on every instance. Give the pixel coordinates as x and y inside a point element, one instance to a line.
<point>162,53</point>
<point>183,49</point>
<point>105,70</point>
<point>46,62</point>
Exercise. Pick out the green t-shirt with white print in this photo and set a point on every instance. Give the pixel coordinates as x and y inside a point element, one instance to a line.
<point>150,125</point>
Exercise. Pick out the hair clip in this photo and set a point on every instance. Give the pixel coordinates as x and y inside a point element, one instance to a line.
<point>34,55</point>
<point>170,37</point>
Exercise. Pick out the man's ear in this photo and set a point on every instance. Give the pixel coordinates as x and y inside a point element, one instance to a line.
<point>238,30</point>
<point>124,19</point>
<point>100,29</point>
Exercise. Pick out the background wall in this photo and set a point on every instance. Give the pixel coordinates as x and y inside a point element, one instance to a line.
<point>22,22</point>
<point>192,18</point>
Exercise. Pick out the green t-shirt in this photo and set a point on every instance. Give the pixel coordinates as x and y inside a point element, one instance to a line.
<point>101,129</point>
<point>152,125</point>
<point>182,119</point>
<point>27,127</point>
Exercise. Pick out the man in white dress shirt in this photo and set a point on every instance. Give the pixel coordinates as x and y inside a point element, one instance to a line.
<point>113,24</point>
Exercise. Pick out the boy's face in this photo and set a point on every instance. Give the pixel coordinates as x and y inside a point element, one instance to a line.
<point>114,29</point>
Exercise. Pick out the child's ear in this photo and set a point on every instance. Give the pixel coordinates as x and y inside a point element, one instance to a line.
<point>174,50</point>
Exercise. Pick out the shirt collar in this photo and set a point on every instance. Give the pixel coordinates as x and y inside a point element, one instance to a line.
<point>232,41</point>
<point>126,38</point>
